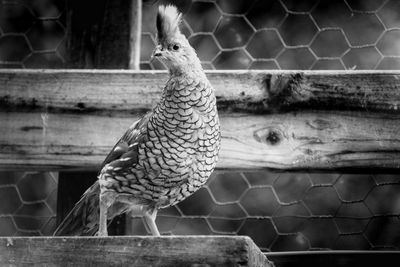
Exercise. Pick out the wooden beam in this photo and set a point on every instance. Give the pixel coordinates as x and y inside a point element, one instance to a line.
<point>311,140</point>
<point>318,140</point>
<point>108,91</point>
<point>71,118</point>
<point>131,251</point>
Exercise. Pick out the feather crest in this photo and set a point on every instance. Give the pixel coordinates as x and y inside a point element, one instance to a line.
<point>168,20</point>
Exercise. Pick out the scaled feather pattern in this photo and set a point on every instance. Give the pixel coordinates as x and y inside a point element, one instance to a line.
<point>164,157</point>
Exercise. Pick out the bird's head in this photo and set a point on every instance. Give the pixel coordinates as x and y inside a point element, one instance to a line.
<point>173,48</point>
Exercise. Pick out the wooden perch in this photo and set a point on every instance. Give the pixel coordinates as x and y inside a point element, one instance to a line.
<point>71,119</point>
<point>131,251</point>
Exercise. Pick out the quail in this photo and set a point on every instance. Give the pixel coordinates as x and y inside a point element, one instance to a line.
<point>166,155</point>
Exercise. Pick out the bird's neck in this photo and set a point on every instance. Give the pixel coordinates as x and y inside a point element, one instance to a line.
<point>192,70</point>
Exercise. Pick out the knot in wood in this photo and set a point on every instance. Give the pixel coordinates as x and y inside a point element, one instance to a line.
<point>270,136</point>
<point>273,137</point>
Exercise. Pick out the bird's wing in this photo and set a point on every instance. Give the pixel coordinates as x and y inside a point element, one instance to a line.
<point>83,219</point>
<point>133,135</point>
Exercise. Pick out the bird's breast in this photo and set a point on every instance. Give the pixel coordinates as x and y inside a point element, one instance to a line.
<point>183,140</point>
<point>181,151</point>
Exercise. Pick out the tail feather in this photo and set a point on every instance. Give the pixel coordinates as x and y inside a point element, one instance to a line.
<point>83,219</point>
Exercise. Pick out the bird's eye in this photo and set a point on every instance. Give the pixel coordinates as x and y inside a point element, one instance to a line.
<point>175,47</point>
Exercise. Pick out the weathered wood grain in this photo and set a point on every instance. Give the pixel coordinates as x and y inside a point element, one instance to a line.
<point>325,120</point>
<point>255,91</point>
<point>311,140</point>
<point>131,251</point>
<point>345,90</point>
<point>317,140</point>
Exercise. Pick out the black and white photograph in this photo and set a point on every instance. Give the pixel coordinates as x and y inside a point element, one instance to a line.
<point>200,133</point>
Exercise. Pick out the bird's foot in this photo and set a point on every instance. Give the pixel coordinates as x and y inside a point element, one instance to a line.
<point>102,233</point>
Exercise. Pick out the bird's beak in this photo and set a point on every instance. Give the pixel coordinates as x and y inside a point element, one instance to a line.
<point>157,52</point>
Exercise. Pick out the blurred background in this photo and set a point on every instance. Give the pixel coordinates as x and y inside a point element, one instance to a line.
<point>281,211</point>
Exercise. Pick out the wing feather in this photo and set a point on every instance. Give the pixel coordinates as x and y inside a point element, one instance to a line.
<point>83,219</point>
<point>125,146</point>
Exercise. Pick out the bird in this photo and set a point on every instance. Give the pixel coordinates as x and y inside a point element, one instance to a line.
<point>165,156</point>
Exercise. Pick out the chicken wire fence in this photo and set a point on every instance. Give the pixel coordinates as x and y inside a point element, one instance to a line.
<point>273,34</point>
<point>288,34</point>
<point>293,211</point>
<point>32,34</point>
<point>279,210</point>
<point>28,203</point>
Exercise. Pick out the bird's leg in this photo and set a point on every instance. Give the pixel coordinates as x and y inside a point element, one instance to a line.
<point>105,203</point>
<point>150,218</point>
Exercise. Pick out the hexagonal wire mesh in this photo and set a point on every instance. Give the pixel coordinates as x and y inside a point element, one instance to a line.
<point>288,34</point>
<point>28,203</point>
<point>32,34</point>
<point>292,211</point>
<point>280,211</point>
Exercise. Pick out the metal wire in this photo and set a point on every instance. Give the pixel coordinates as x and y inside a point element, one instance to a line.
<point>293,211</point>
<point>32,34</point>
<point>28,203</point>
<point>290,35</point>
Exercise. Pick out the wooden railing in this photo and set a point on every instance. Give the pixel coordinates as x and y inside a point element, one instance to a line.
<point>131,251</point>
<point>70,119</point>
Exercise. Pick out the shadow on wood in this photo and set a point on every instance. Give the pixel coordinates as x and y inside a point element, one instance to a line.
<point>131,251</point>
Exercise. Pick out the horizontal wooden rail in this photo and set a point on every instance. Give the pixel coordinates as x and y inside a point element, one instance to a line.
<point>131,251</point>
<point>261,91</point>
<point>71,119</point>
<point>285,141</point>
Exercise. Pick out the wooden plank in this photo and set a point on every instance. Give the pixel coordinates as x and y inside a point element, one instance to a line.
<point>311,140</point>
<point>131,251</point>
<point>72,118</point>
<point>98,91</point>
<point>317,140</point>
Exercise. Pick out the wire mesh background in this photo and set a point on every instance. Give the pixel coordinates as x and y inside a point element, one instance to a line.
<point>28,203</point>
<point>32,34</point>
<point>279,210</point>
<point>279,34</point>
<point>288,34</point>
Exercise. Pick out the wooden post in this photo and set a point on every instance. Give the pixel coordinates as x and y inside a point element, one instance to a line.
<point>135,34</point>
<point>99,35</point>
